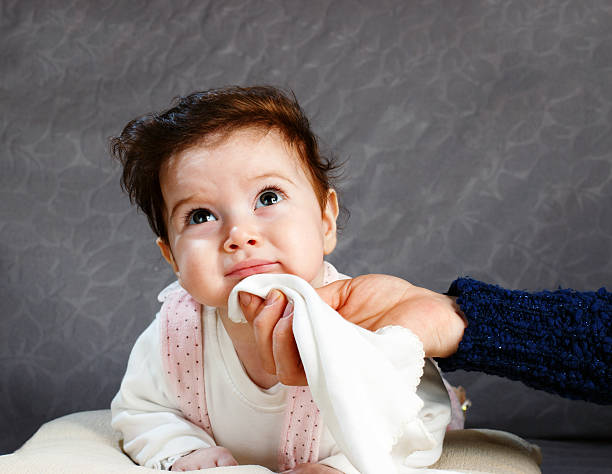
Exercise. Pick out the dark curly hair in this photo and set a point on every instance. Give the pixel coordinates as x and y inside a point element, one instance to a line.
<point>147,142</point>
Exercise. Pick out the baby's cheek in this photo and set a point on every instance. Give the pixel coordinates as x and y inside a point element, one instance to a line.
<point>202,282</point>
<point>208,296</point>
<point>308,265</point>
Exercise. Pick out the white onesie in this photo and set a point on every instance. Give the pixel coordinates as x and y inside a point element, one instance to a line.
<point>247,419</point>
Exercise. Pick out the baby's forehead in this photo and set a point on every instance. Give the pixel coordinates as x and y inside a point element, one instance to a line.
<point>247,135</point>
<point>246,153</point>
<point>242,142</point>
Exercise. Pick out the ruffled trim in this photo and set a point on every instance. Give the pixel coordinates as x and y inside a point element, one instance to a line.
<point>412,421</point>
<point>414,342</point>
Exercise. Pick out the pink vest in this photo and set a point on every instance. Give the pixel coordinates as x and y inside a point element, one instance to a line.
<point>182,350</point>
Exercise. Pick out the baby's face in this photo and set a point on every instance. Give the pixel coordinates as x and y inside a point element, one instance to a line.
<point>239,207</point>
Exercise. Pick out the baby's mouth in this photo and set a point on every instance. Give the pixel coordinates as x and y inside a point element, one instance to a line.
<point>252,267</point>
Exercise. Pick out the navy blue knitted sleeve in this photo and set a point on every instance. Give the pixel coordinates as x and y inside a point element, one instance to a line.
<point>558,341</point>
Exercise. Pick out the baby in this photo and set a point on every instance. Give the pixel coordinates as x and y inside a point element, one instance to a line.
<point>232,183</point>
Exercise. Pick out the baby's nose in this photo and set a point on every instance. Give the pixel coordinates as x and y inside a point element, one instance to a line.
<point>239,237</point>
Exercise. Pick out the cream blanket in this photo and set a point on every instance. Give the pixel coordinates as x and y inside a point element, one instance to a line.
<point>85,443</point>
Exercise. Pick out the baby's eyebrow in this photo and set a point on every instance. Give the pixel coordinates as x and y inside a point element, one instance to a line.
<point>179,204</point>
<point>270,175</point>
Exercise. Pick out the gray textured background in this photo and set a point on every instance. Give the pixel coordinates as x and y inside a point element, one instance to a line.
<point>478,136</point>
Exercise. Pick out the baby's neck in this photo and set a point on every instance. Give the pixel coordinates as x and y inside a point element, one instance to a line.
<point>243,340</point>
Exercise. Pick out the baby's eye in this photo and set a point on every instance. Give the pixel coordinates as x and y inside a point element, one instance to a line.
<point>268,198</point>
<point>199,216</point>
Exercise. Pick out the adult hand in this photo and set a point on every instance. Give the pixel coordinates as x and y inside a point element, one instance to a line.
<point>375,301</point>
<point>372,302</point>
<point>272,321</point>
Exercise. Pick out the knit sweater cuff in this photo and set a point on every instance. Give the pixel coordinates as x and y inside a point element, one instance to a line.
<point>558,341</point>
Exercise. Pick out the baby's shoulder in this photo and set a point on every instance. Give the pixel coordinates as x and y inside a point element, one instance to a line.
<point>180,314</point>
<point>171,288</point>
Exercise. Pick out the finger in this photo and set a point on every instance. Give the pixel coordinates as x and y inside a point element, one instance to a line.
<point>342,297</point>
<point>289,368</point>
<point>250,305</point>
<point>226,460</point>
<point>263,327</point>
<point>334,294</point>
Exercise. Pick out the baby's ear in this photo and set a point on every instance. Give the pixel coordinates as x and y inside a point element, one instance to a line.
<point>166,252</point>
<point>330,214</point>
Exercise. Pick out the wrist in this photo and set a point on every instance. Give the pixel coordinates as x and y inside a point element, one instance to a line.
<point>441,327</point>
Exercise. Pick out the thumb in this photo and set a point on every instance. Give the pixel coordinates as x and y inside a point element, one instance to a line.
<point>250,304</point>
<point>335,294</point>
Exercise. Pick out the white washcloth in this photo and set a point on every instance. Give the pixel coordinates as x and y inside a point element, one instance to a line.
<point>364,383</point>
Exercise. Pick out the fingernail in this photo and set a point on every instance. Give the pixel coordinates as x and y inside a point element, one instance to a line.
<point>245,298</point>
<point>272,297</point>
<point>288,310</point>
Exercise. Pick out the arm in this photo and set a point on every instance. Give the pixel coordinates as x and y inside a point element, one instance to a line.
<point>558,341</point>
<point>145,412</point>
